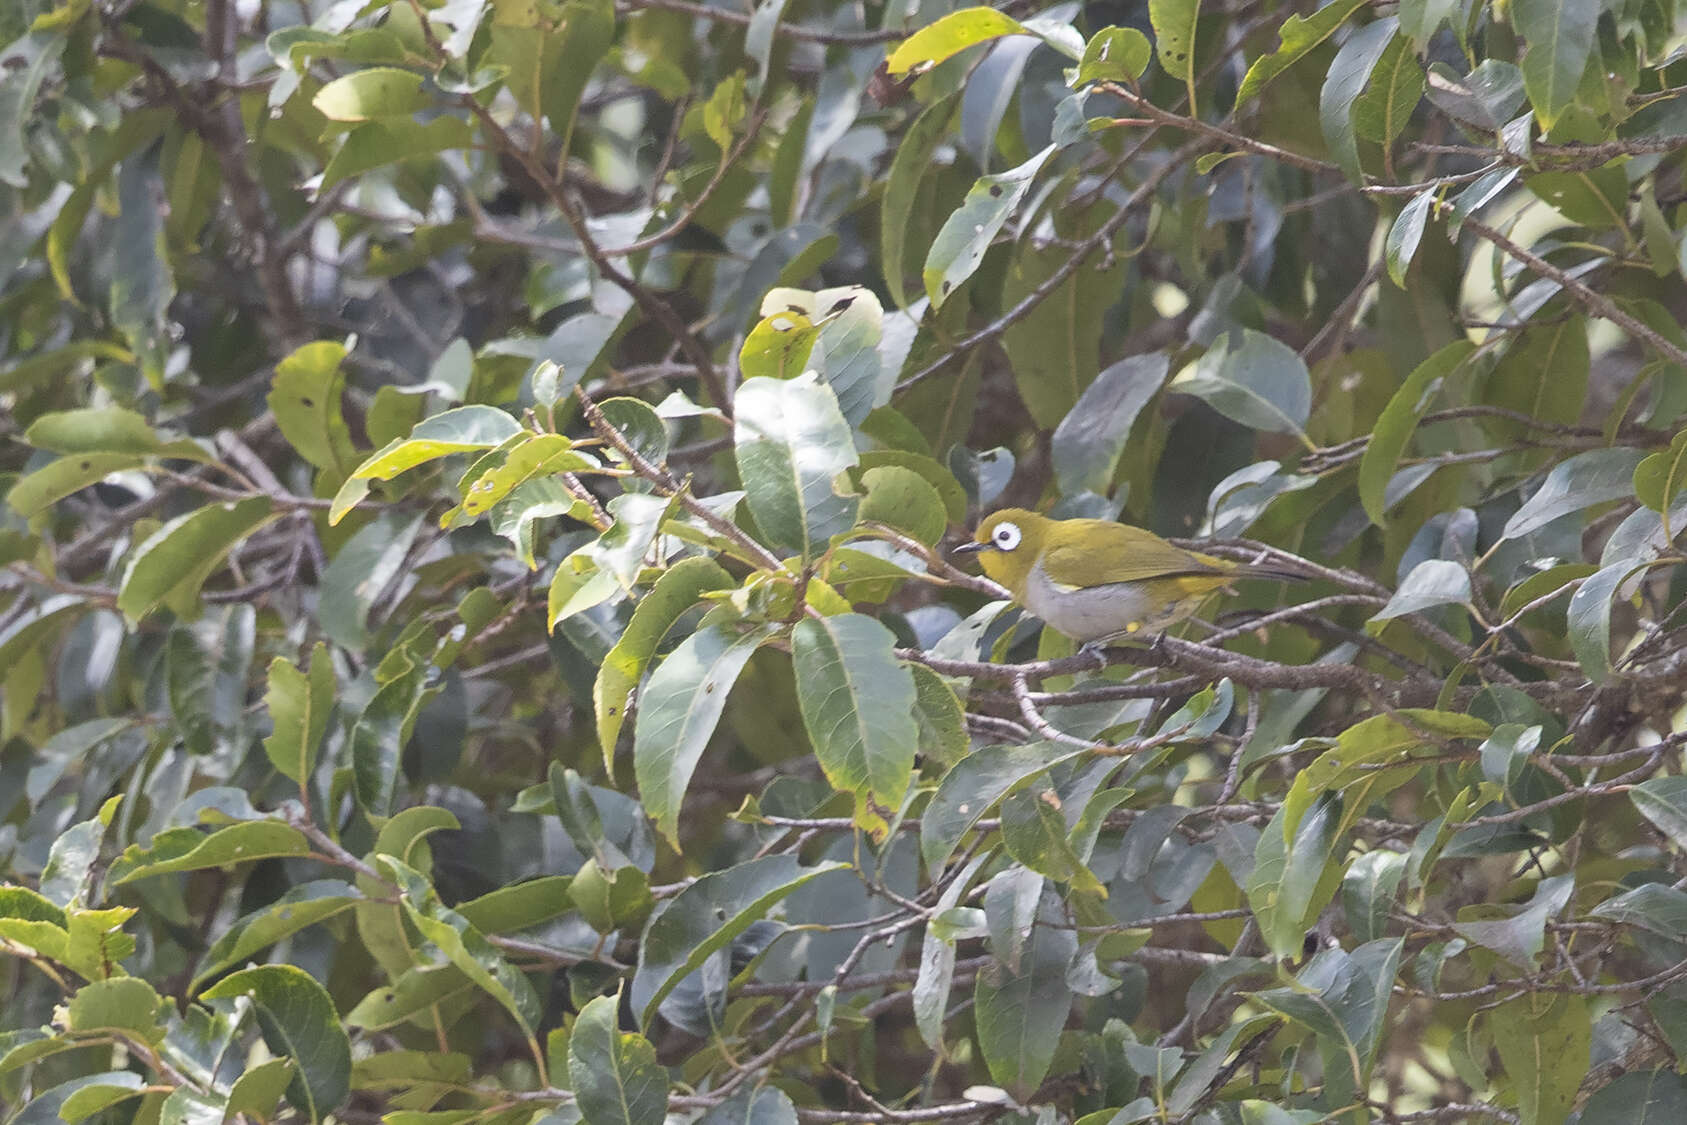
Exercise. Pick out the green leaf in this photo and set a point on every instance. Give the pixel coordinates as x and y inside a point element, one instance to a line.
<point>937,959</point>
<point>576,586</point>
<point>68,877</point>
<point>585,34</point>
<point>724,110</point>
<point>93,1097</point>
<point>857,702</point>
<point>1019,1014</point>
<point>973,787</point>
<point>1406,233</point>
<point>686,930</point>
<point>1089,441</point>
<point>1520,937</point>
<point>1299,36</point>
<point>778,346</point>
<point>364,95</point>
<point>1368,889</point>
<point>303,905</point>
<point>27,63</point>
<point>1597,476</point>
<point>174,562</point>
<point>142,285</point>
<point>1114,54</point>
<point>1398,420</point>
<point>1595,198</point>
<point>1343,998</point>
<point>1544,1040</point>
<point>360,572</point>
<point>903,499</point>
<point>1651,906</point>
<point>1651,1097</point>
<point>610,900</point>
<point>38,625</point>
<point>535,458</point>
<point>46,486</point>
<point>1350,73</point>
<point>1588,619</point>
<point>255,1093</point>
<point>188,849</point>
<point>1486,98</point>
<point>1544,375</point>
<point>1034,832</point>
<point>304,396</point>
<point>1560,36</point>
<point>1194,1082</point>
<point>377,738</point>
<point>518,906</point>
<point>678,711</point>
<point>464,945</point>
<point>47,1108</point>
<point>758,40</point>
<point>375,144</point>
<point>23,904</point>
<point>125,1004</point>
<point>515,517</point>
<point>616,1077</point>
<point>1257,381</point>
<point>679,588</point>
<point>463,430</point>
<point>1174,23</point>
<point>1421,19</point>
<point>107,429</point>
<point>1663,801</point>
<point>1397,85</point>
<point>850,324</point>
<point>415,992</point>
<point>791,440</point>
<point>298,1022</point>
<point>1378,740</point>
<point>1055,349</point>
<point>942,723</point>
<point>910,169</point>
<point>950,36</point>
<point>299,706</point>
<point>966,234</point>
<point>949,490</point>
<point>1661,477</point>
<point>1294,878</point>
<point>766,1105</point>
<point>1431,583</point>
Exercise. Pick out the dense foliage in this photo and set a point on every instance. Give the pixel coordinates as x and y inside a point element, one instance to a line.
<point>477,637</point>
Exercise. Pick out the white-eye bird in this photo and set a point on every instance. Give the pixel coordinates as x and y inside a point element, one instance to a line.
<point>1094,580</point>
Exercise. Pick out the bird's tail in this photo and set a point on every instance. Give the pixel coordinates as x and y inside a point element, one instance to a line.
<point>1270,573</point>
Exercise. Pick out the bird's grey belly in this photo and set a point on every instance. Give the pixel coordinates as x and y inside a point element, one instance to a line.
<point>1088,613</point>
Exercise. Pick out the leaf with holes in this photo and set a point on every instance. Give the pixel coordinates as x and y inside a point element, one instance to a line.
<point>959,247</point>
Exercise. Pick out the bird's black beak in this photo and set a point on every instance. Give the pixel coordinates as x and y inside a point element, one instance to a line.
<point>969,548</point>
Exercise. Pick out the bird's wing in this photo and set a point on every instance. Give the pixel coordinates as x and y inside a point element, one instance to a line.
<point>1129,560</point>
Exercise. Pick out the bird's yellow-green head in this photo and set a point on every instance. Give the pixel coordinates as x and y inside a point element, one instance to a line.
<point>1009,543</point>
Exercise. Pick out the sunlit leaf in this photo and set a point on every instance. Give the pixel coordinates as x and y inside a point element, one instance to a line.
<point>959,247</point>
<point>950,35</point>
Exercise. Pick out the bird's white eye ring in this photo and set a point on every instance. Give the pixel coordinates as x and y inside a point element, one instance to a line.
<point>1006,537</point>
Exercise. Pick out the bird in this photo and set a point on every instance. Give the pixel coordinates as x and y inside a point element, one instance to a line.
<point>1096,580</point>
